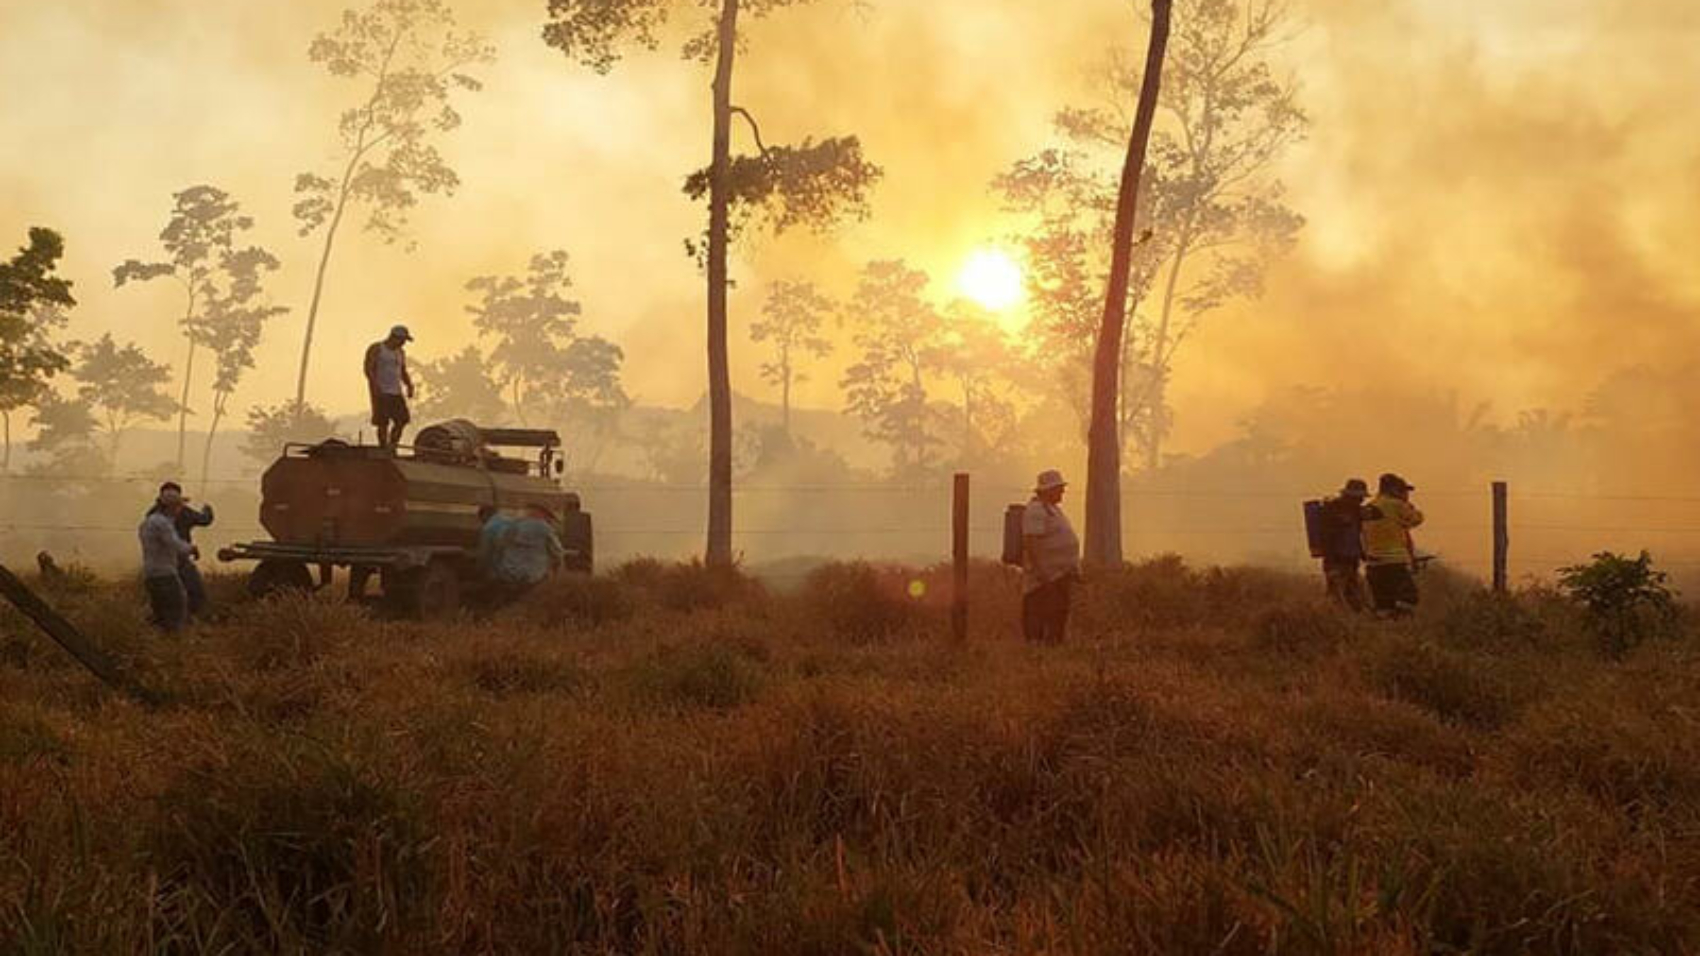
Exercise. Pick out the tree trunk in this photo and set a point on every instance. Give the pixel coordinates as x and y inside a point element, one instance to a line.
<point>785,398</point>
<point>1155,392</point>
<point>1103,462</point>
<point>319,284</point>
<point>719,550</point>
<point>6,455</point>
<point>206,450</point>
<point>183,405</point>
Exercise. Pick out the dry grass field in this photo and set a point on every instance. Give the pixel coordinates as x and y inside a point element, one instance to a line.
<point>665,760</point>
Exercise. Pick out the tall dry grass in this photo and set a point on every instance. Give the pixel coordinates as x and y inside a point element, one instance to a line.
<point>673,760</point>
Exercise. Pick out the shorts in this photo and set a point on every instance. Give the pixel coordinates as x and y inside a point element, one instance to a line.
<point>390,409</point>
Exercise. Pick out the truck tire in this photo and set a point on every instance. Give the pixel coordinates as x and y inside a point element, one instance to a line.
<point>578,538</point>
<point>430,593</point>
<point>272,577</point>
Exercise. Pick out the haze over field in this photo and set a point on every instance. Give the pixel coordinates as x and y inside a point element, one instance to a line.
<point>1496,198</point>
<point>1506,186</point>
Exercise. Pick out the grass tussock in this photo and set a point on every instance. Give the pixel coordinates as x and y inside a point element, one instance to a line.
<point>673,759</point>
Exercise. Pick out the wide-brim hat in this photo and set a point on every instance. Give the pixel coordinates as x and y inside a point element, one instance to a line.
<point>1048,480</point>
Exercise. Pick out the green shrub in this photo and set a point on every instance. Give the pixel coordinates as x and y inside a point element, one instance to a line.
<point>1626,601</point>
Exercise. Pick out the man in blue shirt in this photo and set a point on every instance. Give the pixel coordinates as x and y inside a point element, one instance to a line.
<point>517,554</point>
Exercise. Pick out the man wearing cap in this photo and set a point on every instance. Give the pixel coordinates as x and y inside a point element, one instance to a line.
<point>186,521</point>
<point>1342,543</point>
<point>1052,562</point>
<point>389,385</point>
<point>1389,553</point>
<point>519,554</point>
<point>163,552</point>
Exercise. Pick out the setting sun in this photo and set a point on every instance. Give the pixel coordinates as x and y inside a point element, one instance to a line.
<point>992,279</point>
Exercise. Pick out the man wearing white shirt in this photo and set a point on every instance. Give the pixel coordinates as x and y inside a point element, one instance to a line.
<point>163,550</point>
<point>1052,562</point>
<point>389,385</point>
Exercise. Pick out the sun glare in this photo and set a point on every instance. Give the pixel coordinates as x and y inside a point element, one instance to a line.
<point>992,279</point>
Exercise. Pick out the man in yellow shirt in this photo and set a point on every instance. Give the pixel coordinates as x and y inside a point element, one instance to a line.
<point>1389,554</point>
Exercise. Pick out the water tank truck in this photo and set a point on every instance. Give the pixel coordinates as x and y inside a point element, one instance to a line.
<point>407,515</point>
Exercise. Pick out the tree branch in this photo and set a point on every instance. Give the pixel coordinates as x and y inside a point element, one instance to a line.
<point>754,129</point>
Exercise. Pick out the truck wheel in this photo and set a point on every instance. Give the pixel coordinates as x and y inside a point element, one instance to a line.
<point>431,593</point>
<point>578,538</point>
<point>276,577</point>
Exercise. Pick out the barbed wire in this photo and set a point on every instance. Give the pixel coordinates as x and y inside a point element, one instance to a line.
<point>943,485</point>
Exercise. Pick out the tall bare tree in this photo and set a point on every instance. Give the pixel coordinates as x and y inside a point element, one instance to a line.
<point>219,281</point>
<point>812,184</point>
<point>234,317</point>
<point>791,321</point>
<point>1226,117</point>
<point>409,58</point>
<point>32,303</point>
<point>1103,545</point>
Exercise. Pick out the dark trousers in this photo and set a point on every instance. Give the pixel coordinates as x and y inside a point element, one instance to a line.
<point>169,601</point>
<point>1393,588</point>
<point>194,587</point>
<point>1344,585</point>
<point>1044,612</point>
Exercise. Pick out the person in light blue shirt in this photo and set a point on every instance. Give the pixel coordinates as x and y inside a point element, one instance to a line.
<point>517,554</point>
<point>163,551</point>
<point>490,537</point>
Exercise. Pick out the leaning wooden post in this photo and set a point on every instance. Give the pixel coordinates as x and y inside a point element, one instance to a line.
<point>959,557</point>
<point>67,636</point>
<point>1501,537</point>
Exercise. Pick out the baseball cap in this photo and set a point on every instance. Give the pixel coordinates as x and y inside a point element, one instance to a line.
<point>400,332</point>
<point>1392,482</point>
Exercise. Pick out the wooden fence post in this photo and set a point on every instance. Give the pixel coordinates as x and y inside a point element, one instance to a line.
<point>959,557</point>
<point>68,637</point>
<point>1501,537</point>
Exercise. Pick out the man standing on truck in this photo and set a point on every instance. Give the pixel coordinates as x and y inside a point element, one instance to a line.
<point>518,554</point>
<point>1342,544</point>
<point>187,520</point>
<point>1388,550</point>
<point>163,553</point>
<point>389,385</point>
<point>1052,562</point>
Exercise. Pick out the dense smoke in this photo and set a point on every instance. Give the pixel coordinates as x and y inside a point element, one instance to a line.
<point>1497,201</point>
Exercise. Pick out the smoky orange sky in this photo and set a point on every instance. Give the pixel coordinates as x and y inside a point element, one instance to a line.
<point>1501,197</point>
